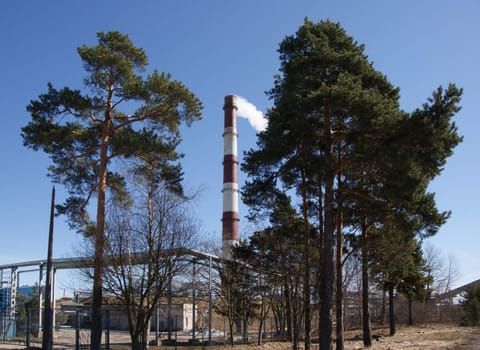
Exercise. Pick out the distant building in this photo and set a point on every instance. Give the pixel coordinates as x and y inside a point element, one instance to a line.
<point>181,316</point>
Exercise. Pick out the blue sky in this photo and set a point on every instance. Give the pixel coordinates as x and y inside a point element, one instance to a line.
<point>220,47</point>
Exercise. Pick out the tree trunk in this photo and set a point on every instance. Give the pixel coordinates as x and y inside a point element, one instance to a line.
<point>340,341</point>
<point>410,316</point>
<point>96,329</point>
<point>245,329</point>
<point>136,343</point>
<point>306,253</point>
<point>321,236</point>
<point>263,313</point>
<point>230,326</point>
<point>146,330</point>
<point>367,332</point>
<point>260,331</point>
<point>296,332</point>
<point>326,326</point>
<point>384,308</point>
<point>391,310</point>
<point>289,312</point>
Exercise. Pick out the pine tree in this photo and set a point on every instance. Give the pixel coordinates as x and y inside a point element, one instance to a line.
<point>471,307</point>
<point>85,134</point>
<point>328,100</point>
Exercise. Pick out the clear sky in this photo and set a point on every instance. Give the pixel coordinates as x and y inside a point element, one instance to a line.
<point>221,47</point>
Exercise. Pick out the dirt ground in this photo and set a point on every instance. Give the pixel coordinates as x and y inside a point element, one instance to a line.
<point>431,337</point>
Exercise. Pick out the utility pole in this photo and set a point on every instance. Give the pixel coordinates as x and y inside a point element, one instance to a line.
<point>47,315</point>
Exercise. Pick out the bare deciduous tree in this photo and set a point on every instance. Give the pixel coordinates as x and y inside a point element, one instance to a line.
<point>445,272</point>
<point>146,238</point>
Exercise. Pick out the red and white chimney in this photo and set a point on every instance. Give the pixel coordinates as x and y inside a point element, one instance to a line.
<point>230,182</point>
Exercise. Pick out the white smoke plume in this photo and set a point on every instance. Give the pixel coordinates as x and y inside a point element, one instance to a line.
<point>250,112</point>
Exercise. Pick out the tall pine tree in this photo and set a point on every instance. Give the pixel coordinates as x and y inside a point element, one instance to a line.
<point>84,134</point>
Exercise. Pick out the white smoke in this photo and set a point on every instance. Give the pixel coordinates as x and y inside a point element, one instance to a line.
<point>250,112</point>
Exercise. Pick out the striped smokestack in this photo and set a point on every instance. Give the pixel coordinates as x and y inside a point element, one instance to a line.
<point>230,183</point>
